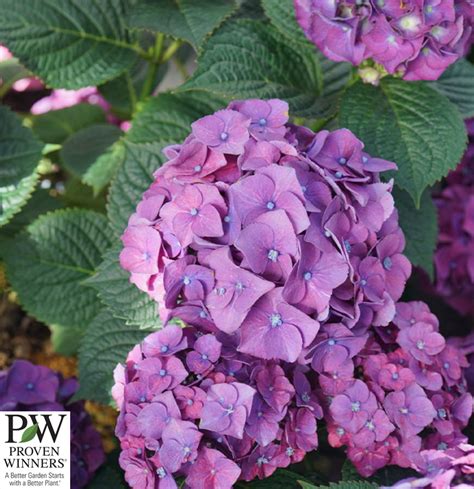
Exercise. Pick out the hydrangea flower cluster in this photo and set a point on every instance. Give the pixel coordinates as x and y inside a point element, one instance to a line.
<point>280,250</point>
<point>191,405</point>
<point>418,39</point>
<point>28,387</point>
<point>454,256</point>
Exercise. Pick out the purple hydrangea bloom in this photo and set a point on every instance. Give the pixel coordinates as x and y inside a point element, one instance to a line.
<point>28,387</point>
<point>280,252</point>
<point>418,40</point>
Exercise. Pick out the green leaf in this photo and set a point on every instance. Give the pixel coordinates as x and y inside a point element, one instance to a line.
<point>106,343</point>
<point>132,179</point>
<point>83,148</point>
<point>281,479</point>
<point>101,172</point>
<point>163,120</point>
<point>387,476</point>
<point>420,227</point>
<point>68,44</point>
<point>20,153</point>
<point>56,126</point>
<point>410,124</point>
<point>29,433</point>
<point>47,264</point>
<point>248,59</point>
<point>185,19</point>
<point>11,70</point>
<point>355,484</point>
<point>282,15</point>
<point>65,339</point>
<point>40,202</point>
<point>457,83</point>
<point>124,299</point>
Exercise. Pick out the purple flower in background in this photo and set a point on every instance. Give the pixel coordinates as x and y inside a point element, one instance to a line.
<point>180,443</point>
<point>267,117</point>
<point>275,330</point>
<point>165,342</point>
<point>313,279</point>
<point>353,409</point>
<point>226,131</point>
<point>270,189</point>
<point>300,430</point>
<point>274,386</point>
<point>195,213</point>
<point>421,341</point>
<point>268,245</point>
<point>142,248</point>
<point>212,470</point>
<point>417,40</point>
<point>235,292</point>
<point>263,422</point>
<point>227,408</point>
<point>376,429</point>
<point>410,409</point>
<point>207,351</point>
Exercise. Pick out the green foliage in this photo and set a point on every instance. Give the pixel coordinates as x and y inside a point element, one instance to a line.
<point>184,19</point>
<point>281,479</point>
<point>124,299</point>
<point>39,203</point>
<point>56,126</point>
<point>402,122</point>
<point>105,344</point>
<point>457,83</point>
<point>282,15</point>
<point>85,146</point>
<point>65,340</point>
<point>20,153</point>
<point>47,263</point>
<point>355,484</point>
<point>248,59</point>
<point>420,227</point>
<point>10,72</point>
<point>101,172</point>
<point>68,44</point>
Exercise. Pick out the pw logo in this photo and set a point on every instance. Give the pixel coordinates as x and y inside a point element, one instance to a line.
<point>24,428</point>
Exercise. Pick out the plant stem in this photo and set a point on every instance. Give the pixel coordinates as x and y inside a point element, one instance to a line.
<point>131,91</point>
<point>172,48</point>
<point>154,63</point>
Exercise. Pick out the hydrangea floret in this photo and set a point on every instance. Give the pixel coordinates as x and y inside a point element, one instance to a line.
<point>28,387</point>
<point>415,39</point>
<point>280,250</point>
<point>454,256</point>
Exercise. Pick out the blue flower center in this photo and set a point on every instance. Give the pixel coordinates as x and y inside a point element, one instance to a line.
<point>163,372</point>
<point>355,407</point>
<point>161,472</point>
<point>308,276</point>
<point>30,386</point>
<point>275,320</point>
<point>290,451</point>
<point>342,161</point>
<point>363,282</point>
<point>272,255</point>
<point>331,342</point>
<point>420,344</point>
<point>387,263</point>
<point>224,136</point>
<point>442,413</point>
<point>194,211</point>
<point>164,349</point>
<point>197,168</point>
<point>395,376</point>
<point>186,280</point>
<point>227,219</point>
<point>338,174</point>
<point>262,122</point>
<point>270,205</point>
<point>347,246</point>
<point>204,356</point>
